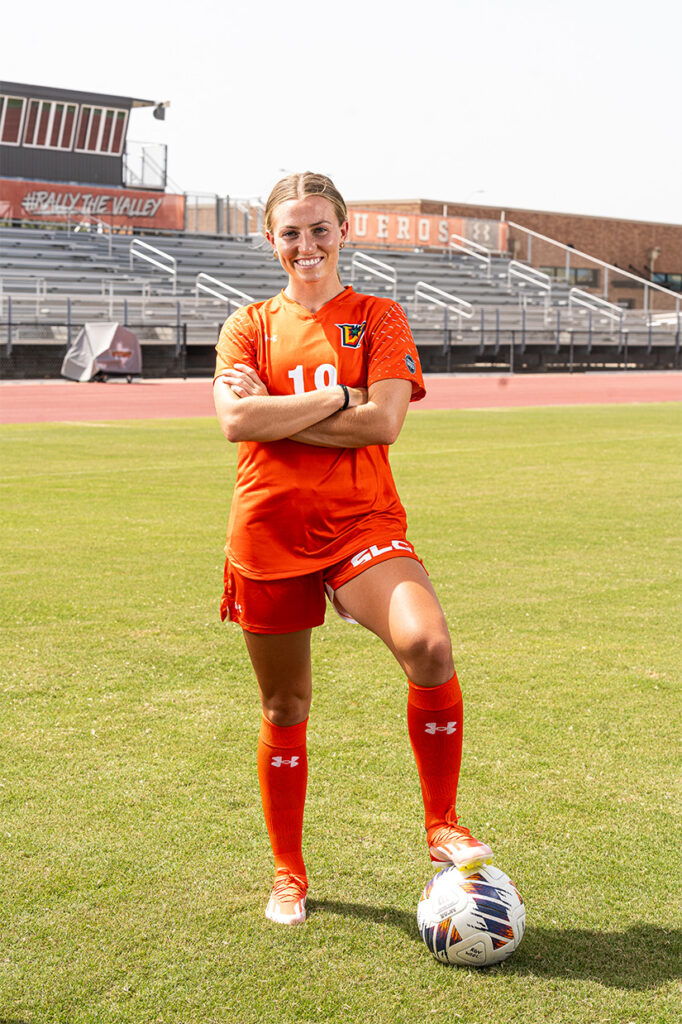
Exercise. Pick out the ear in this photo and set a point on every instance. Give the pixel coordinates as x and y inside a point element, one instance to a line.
<point>345,228</point>
<point>271,240</point>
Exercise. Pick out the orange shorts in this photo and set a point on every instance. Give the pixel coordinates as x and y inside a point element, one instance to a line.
<point>298,602</point>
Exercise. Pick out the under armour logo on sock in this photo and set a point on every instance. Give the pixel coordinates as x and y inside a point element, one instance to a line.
<point>432,728</point>
<point>278,761</point>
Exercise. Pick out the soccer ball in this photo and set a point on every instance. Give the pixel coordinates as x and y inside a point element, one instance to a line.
<point>471,918</point>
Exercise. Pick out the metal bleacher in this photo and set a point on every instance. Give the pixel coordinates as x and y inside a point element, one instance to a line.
<point>51,265</point>
<point>177,288</point>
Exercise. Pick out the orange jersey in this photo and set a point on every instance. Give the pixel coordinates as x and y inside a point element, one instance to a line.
<point>297,507</point>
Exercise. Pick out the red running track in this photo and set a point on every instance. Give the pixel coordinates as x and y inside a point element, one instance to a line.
<point>60,401</point>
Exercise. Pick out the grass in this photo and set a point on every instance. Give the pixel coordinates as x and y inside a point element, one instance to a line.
<point>134,864</point>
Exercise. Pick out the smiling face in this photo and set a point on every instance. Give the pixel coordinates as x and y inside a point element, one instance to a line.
<point>306,236</point>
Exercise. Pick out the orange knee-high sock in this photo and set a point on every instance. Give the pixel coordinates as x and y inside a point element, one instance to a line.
<point>434,722</point>
<point>283,776</point>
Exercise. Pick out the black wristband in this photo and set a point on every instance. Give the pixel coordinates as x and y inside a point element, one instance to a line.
<point>346,398</point>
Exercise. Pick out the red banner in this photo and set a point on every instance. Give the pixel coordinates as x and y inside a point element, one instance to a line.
<point>423,230</point>
<point>45,201</point>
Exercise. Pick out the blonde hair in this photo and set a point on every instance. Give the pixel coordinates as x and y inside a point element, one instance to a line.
<point>297,186</point>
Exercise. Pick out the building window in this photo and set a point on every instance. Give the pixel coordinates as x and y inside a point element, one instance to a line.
<point>101,130</point>
<point>588,277</point>
<point>583,277</point>
<point>671,281</point>
<point>93,129</point>
<point>50,125</point>
<point>63,126</point>
<point>119,136</point>
<point>11,117</point>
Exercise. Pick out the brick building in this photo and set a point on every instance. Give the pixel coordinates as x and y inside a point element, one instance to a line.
<point>652,251</point>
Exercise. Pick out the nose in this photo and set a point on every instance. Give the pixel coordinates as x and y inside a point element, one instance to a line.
<point>306,242</point>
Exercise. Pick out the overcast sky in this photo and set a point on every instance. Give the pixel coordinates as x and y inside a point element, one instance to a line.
<point>573,106</point>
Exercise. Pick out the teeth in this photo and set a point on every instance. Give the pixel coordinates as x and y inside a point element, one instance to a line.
<point>308,263</point>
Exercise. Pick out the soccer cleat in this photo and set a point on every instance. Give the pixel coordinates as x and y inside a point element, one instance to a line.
<point>454,844</point>
<point>287,902</point>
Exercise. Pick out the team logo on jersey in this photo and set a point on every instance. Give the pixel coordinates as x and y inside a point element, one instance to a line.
<point>352,334</point>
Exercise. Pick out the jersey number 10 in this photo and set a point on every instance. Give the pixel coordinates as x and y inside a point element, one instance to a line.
<point>325,377</point>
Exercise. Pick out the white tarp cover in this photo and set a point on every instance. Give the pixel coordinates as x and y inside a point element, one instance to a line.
<point>105,348</point>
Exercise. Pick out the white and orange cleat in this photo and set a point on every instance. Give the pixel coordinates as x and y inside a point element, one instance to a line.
<point>287,901</point>
<point>454,844</point>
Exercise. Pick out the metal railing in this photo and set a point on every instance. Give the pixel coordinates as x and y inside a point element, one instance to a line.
<point>221,290</point>
<point>586,300</point>
<point>528,275</point>
<point>153,172</point>
<point>376,268</point>
<point>38,293</point>
<point>101,227</point>
<point>115,306</point>
<point>111,301</point>
<point>11,277</point>
<point>472,249</point>
<point>534,337</point>
<point>608,269</point>
<point>108,293</point>
<point>163,260</point>
<point>444,300</point>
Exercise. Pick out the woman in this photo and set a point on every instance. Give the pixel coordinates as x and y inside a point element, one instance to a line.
<point>314,385</point>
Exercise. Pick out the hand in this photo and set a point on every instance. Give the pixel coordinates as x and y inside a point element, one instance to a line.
<point>244,381</point>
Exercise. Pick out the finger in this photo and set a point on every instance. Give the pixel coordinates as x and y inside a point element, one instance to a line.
<point>236,378</point>
<point>248,371</point>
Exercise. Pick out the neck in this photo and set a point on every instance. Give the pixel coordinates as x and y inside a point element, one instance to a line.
<point>313,297</point>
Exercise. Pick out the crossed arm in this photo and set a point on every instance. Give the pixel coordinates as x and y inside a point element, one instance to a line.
<point>246,412</point>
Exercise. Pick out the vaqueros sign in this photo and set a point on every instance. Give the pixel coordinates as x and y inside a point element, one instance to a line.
<point>423,230</point>
<point>31,200</point>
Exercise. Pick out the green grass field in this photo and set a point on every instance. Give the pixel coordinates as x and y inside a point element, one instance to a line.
<point>134,865</point>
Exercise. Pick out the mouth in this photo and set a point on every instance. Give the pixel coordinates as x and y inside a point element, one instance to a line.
<point>312,262</point>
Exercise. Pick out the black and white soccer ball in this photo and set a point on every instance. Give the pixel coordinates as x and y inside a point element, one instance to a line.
<point>474,918</point>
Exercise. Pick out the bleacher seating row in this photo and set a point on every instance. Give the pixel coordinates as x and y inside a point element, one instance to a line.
<point>54,279</point>
<point>82,262</point>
